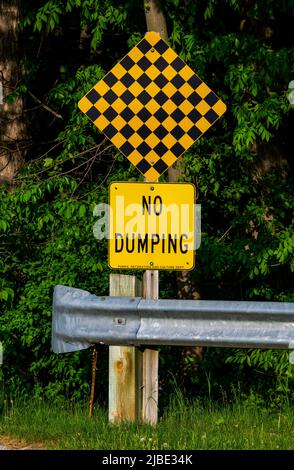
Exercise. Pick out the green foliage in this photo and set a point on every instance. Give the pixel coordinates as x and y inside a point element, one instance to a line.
<point>184,425</point>
<point>278,372</point>
<point>242,167</point>
<point>49,242</point>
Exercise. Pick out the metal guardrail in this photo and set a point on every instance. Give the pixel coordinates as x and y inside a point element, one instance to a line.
<point>81,319</point>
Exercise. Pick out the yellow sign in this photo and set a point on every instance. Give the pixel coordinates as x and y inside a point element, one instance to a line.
<point>151,226</point>
<point>152,106</point>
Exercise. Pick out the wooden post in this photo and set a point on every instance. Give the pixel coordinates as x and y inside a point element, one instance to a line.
<point>155,21</point>
<point>124,362</point>
<point>150,359</point>
<point>133,376</point>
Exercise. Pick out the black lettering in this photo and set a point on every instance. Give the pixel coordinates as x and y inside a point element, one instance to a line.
<point>143,243</point>
<point>130,246</point>
<point>154,241</point>
<point>159,210</point>
<point>172,243</point>
<point>146,204</point>
<point>163,243</point>
<point>157,205</point>
<point>183,250</point>
<point>118,236</point>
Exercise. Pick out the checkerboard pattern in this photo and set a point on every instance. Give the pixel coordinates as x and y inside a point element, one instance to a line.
<point>152,106</point>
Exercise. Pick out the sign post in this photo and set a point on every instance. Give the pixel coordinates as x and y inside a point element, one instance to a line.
<point>153,107</point>
<point>125,363</point>
<point>150,358</point>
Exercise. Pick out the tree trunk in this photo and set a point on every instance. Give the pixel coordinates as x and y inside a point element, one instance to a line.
<point>155,21</point>
<point>12,124</point>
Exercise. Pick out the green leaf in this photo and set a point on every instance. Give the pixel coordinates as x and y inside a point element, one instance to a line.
<point>3,225</point>
<point>48,162</point>
<point>82,210</point>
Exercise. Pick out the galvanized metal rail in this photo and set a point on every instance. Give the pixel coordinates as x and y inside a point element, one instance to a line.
<point>81,319</point>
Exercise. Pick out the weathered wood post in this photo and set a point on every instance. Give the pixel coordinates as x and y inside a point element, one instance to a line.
<point>124,362</point>
<point>150,359</point>
<point>155,21</point>
<point>133,375</point>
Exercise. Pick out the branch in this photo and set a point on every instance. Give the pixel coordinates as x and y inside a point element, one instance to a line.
<point>51,111</point>
<point>226,232</point>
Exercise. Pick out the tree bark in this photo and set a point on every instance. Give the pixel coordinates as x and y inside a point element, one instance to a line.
<point>13,130</point>
<point>155,21</point>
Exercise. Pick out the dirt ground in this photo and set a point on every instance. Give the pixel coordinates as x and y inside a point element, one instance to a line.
<point>10,443</point>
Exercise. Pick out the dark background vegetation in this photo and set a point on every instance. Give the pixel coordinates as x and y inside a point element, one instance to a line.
<point>242,167</point>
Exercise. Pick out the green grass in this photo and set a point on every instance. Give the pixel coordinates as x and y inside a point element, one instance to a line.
<point>183,426</point>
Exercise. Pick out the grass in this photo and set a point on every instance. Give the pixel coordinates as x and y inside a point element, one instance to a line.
<point>183,426</point>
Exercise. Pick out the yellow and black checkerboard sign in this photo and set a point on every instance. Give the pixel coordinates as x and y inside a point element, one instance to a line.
<point>152,106</point>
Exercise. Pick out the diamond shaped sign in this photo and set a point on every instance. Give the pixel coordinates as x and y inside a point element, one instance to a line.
<point>152,106</point>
